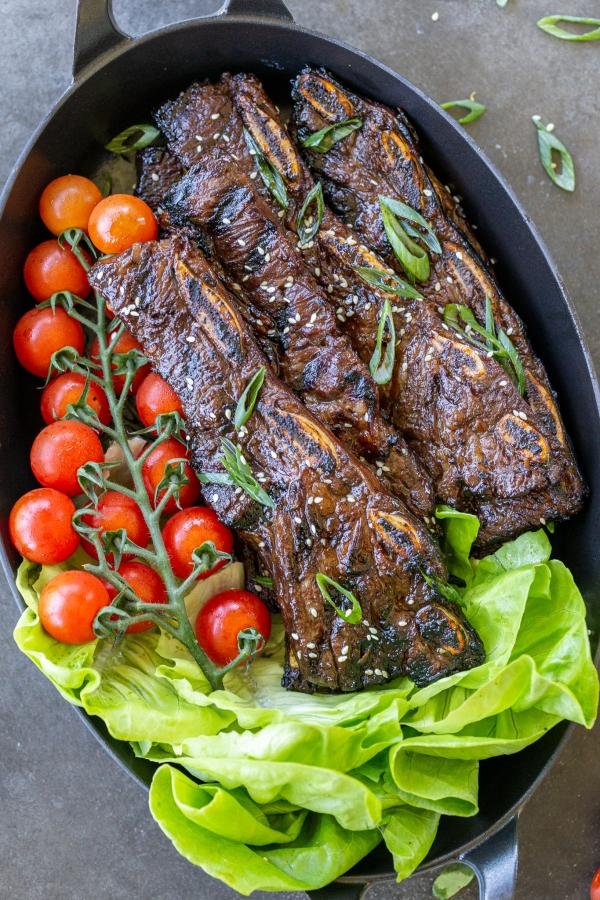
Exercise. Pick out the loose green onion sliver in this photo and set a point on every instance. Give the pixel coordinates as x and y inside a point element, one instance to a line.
<point>382,363</point>
<point>403,236</point>
<point>323,140</point>
<point>126,141</point>
<point>270,175</point>
<point>390,284</point>
<point>354,614</point>
<point>476,110</point>
<point>549,25</point>
<point>547,142</point>
<point>315,195</point>
<point>247,402</point>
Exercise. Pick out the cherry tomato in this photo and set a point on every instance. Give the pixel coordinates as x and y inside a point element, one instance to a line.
<point>67,203</point>
<point>116,511</point>
<point>68,606</point>
<point>40,333</point>
<point>66,389</point>
<point>189,529</point>
<point>143,581</point>
<point>153,471</point>
<point>50,268</point>
<point>595,886</point>
<point>124,344</point>
<point>40,526</point>
<point>154,397</point>
<point>222,618</point>
<point>59,450</point>
<point>119,221</point>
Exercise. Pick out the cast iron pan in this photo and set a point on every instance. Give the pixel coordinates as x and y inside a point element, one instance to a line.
<point>118,81</point>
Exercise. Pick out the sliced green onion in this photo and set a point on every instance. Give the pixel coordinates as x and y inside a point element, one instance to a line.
<point>501,3</point>
<point>263,580</point>
<point>563,177</point>
<point>323,140</point>
<point>247,402</point>
<point>475,109</point>
<point>457,876</point>
<point>352,615</point>
<point>136,137</point>
<point>403,236</point>
<point>549,25</point>
<point>306,232</point>
<point>270,175</point>
<point>384,281</point>
<point>237,472</point>
<point>382,364</point>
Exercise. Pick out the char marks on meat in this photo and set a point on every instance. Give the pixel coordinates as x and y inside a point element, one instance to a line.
<point>330,513</point>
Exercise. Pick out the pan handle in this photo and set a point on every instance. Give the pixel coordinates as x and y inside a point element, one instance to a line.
<point>95,32</point>
<point>264,9</point>
<point>495,863</point>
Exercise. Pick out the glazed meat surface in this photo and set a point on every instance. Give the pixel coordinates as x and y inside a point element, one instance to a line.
<point>326,513</point>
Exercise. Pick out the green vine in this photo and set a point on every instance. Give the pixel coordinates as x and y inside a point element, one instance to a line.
<point>127,609</point>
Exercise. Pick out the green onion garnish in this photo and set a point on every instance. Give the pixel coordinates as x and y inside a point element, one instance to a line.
<point>306,231</point>
<point>263,580</point>
<point>247,402</point>
<point>549,25</point>
<point>136,137</point>
<point>563,177</point>
<point>323,140</point>
<point>238,472</point>
<point>403,236</point>
<point>475,109</point>
<point>382,364</point>
<point>270,175</point>
<point>352,615</point>
<point>384,281</point>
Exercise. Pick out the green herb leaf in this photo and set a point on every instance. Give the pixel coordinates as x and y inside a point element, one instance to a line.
<point>323,140</point>
<point>307,225</point>
<point>452,880</point>
<point>247,402</point>
<point>384,281</point>
<point>476,110</point>
<point>263,580</point>
<point>382,364</point>
<point>238,473</point>
<point>136,137</point>
<point>270,175</point>
<point>403,236</point>
<point>549,24</point>
<point>352,615</point>
<point>563,177</point>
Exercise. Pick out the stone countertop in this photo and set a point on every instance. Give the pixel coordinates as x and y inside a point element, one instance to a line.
<point>74,826</point>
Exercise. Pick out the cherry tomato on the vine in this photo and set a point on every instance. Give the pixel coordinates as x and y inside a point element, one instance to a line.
<point>66,389</point>
<point>595,886</point>
<point>67,202</point>
<point>50,268</point>
<point>69,604</point>
<point>124,344</point>
<point>155,397</point>
<point>153,472</point>
<point>116,511</point>
<point>41,528</point>
<point>146,583</point>
<point>119,221</point>
<point>59,450</point>
<point>189,529</point>
<point>40,333</point>
<point>222,618</point>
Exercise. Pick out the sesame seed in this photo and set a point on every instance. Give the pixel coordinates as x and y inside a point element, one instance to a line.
<point>308,542</point>
<point>344,650</point>
<point>273,454</point>
<point>294,636</point>
<point>448,279</point>
<point>311,646</point>
<point>312,655</point>
<point>350,498</point>
<point>410,602</point>
<point>342,659</point>
<point>402,623</point>
<point>252,175</point>
<point>154,176</point>
<point>503,383</point>
<point>190,338</point>
<point>313,612</point>
<point>198,137</point>
<point>226,138</point>
<point>216,135</point>
<point>189,383</point>
<point>317,271</point>
<point>378,672</point>
<point>215,116</point>
<point>262,545</point>
<point>241,242</point>
<point>313,318</point>
<point>228,413</point>
<point>297,520</point>
<point>368,671</point>
<point>437,286</point>
<point>318,499</point>
<point>215,498</point>
<point>428,193</point>
<point>459,254</point>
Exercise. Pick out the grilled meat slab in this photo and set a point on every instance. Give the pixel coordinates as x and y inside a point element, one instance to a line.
<point>329,513</point>
<point>488,450</point>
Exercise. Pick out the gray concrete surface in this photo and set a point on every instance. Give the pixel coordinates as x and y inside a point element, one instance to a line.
<point>73,826</point>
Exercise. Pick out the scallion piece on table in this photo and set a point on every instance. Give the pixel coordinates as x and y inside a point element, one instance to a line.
<point>474,109</point>
<point>561,171</point>
<point>550,24</point>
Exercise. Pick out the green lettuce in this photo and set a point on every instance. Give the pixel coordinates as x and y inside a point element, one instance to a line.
<point>286,791</point>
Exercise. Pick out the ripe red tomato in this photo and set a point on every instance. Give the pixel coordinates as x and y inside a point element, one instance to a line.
<point>595,886</point>
<point>124,344</point>
<point>67,203</point>
<point>116,511</point>
<point>154,397</point>
<point>119,221</point>
<point>189,529</point>
<point>66,389</point>
<point>59,450</point>
<point>69,604</point>
<point>153,471</point>
<point>40,333</point>
<point>50,268</point>
<point>222,618</point>
<point>40,526</point>
<point>146,583</point>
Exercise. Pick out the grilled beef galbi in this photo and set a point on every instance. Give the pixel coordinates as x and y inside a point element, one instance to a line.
<point>323,512</point>
<point>488,450</point>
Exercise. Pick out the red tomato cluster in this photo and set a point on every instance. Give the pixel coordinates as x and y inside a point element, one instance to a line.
<point>41,522</point>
